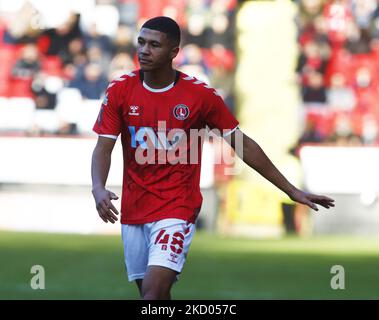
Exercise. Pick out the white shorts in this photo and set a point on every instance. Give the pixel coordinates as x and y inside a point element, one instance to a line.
<point>161,243</point>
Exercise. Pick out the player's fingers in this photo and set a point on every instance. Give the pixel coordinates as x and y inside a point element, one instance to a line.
<point>112,207</point>
<point>101,213</point>
<point>326,205</point>
<point>311,205</point>
<point>102,218</point>
<point>110,212</point>
<point>107,212</point>
<point>324,202</point>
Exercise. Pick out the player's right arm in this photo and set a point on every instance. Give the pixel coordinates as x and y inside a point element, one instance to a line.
<point>101,163</point>
<point>108,127</point>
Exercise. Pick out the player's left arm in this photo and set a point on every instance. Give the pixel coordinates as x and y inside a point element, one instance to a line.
<point>253,155</point>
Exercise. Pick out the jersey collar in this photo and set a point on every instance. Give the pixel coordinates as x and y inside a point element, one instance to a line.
<point>177,77</point>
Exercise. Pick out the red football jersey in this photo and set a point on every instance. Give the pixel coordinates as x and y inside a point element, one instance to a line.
<point>165,183</point>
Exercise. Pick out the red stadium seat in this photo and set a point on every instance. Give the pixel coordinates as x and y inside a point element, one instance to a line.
<point>219,56</point>
<point>340,62</point>
<point>8,56</point>
<point>20,88</point>
<point>4,87</point>
<point>52,65</point>
<point>324,121</point>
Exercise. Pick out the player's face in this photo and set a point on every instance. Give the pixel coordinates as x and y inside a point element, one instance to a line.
<point>155,50</point>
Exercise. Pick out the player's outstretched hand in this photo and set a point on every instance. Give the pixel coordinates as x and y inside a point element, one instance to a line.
<point>104,206</point>
<point>311,199</point>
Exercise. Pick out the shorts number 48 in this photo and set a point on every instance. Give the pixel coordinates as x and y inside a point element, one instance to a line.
<point>176,244</point>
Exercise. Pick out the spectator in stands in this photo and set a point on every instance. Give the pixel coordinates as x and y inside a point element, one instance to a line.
<point>96,55</point>
<point>91,82</point>
<point>192,58</point>
<point>309,10</point>
<point>314,91</point>
<point>92,38</point>
<point>197,31</point>
<point>75,54</point>
<point>338,17</point>
<point>363,11</point>
<point>340,96</point>
<point>310,134</point>
<point>28,65</point>
<point>122,63</point>
<point>357,40</point>
<point>43,98</point>
<point>343,130</point>
<point>321,38</point>
<point>366,88</point>
<point>363,78</point>
<point>221,64</point>
<point>193,63</point>
<point>370,129</point>
<point>20,29</point>
<point>221,31</point>
<point>45,89</point>
<point>128,10</point>
<point>123,41</point>
<point>310,60</point>
<point>75,59</point>
<point>56,41</point>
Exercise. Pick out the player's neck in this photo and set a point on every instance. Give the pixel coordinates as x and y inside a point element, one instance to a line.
<point>161,78</point>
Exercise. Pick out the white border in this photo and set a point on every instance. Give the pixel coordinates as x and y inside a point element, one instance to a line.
<point>108,136</point>
<point>230,132</point>
<point>158,90</point>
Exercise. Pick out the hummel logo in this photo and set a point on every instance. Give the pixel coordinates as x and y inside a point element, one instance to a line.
<point>134,110</point>
<point>173,258</point>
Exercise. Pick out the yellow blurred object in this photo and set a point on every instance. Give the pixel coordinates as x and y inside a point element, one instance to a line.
<point>268,103</point>
<point>252,202</point>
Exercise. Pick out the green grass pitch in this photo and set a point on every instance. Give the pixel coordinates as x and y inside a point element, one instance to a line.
<point>91,267</point>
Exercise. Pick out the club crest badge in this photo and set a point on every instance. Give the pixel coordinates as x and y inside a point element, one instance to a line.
<point>181,112</point>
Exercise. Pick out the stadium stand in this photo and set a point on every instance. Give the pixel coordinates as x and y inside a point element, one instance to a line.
<point>57,60</point>
<point>337,69</point>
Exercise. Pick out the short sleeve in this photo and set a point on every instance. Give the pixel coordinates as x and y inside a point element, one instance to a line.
<point>218,116</point>
<point>109,122</point>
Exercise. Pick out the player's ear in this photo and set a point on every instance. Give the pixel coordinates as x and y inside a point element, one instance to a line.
<point>174,52</point>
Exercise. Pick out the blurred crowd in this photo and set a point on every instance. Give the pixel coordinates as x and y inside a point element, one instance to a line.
<point>338,70</point>
<point>56,59</point>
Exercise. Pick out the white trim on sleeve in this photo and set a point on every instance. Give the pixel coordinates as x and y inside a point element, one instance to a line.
<point>229,132</point>
<point>108,136</point>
